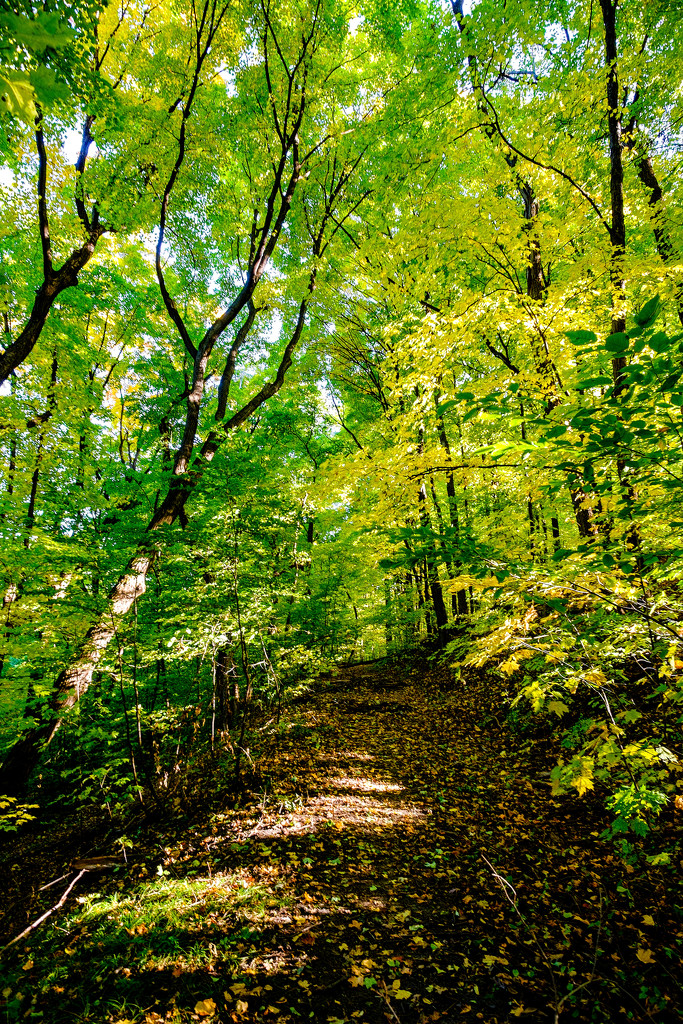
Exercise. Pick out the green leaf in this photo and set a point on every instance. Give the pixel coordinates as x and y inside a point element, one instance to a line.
<point>47,88</point>
<point>602,381</point>
<point>670,382</point>
<point>649,312</point>
<point>617,342</point>
<point>581,337</point>
<point>17,96</point>
<point>659,342</point>
<point>46,30</point>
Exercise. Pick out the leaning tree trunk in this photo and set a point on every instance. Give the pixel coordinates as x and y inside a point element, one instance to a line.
<point>660,223</point>
<point>74,680</point>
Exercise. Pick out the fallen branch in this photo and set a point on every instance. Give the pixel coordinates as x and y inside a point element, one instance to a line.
<point>43,917</point>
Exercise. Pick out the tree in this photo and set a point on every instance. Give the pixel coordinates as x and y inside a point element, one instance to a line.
<point>304,153</point>
<point>383,309</point>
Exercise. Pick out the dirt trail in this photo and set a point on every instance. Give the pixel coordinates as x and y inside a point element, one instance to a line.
<point>412,869</point>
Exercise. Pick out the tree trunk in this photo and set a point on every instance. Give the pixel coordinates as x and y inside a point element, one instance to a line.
<point>431,570</point>
<point>388,632</point>
<point>458,599</point>
<point>54,281</point>
<point>617,235</point>
<point>660,225</point>
<point>74,680</point>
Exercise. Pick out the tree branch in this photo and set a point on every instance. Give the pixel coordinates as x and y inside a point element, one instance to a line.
<point>43,221</point>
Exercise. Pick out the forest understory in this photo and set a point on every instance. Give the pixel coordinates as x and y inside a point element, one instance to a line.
<point>391,855</point>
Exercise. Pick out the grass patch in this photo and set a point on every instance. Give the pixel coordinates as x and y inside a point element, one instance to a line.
<point>165,942</point>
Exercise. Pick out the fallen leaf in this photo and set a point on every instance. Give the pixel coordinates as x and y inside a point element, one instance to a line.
<point>645,956</point>
<point>205,1007</point>
<point>399,993</point>
<point>649,920</point>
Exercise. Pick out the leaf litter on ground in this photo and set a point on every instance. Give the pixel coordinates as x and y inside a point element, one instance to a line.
<point>400,860</point>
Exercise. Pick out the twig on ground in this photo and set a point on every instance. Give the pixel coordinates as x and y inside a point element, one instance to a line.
<point>43,917</point>
<point>54,881</point>
<point>384,992</point>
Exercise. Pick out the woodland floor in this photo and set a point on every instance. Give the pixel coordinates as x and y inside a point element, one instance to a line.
<point>399,860</point>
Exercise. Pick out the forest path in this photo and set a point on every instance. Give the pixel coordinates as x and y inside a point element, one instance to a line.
<point>364,882</point>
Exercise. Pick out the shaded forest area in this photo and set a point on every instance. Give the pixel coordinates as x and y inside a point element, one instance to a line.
<point>341,439</point>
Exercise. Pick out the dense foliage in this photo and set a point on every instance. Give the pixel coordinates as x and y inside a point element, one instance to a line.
<point>330,329</point>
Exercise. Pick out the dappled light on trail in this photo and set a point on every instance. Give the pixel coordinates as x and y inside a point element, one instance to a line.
<point>386,867</point>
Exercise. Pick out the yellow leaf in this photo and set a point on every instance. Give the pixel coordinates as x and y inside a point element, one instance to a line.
<point>583,780</point>
<point>28,965</point>
<point>400,993</point>
<point>518,1011</point>
<point>648,919</point>
<point>645,956</point>
<point>553,657</point>
<point>582,784</point>
<point>242,1006</point>
<point>558,707</point>
<point>205,1007</point>
<point>490,960</point>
